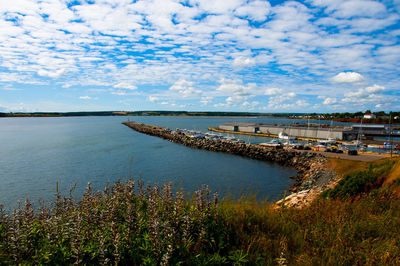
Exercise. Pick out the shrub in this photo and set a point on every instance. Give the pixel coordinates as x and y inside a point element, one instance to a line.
<point>360,182</point>
<point>120,225</point>
<point>130,223</point>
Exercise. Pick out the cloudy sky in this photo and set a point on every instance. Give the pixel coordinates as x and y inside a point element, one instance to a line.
<point>220,55</point>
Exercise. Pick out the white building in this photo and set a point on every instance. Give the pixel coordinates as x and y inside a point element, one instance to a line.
<point>369,116</point>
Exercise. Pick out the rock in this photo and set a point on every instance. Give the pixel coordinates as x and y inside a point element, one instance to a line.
<point>310,166</point>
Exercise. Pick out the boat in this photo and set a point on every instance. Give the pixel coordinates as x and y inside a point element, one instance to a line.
<point>387,145</point>
<point>355,143</point>
<point>272,143</point>
<point>319,147</point>
<point>283,135</point>
<point>327,141</point>
<point>375,146</point>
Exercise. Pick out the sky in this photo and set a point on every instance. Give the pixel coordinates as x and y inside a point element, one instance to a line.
<point>199,55</point>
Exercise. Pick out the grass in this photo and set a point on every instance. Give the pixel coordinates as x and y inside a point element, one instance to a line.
<point>358,182</point>
<point>345,167</point>
<point>329,231</point>
<point>130,223</point>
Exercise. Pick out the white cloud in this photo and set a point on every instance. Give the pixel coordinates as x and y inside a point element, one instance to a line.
<point>117,44</point>
<point>368,96</point>
<point>363,8</point>
<point>221,105</point>
<point>366,92</point>
<point>374,88</point>
<point>51,74</point>
<point>85,97</point>
<point>347,77</point>
<point>250,105</point>
<point>235,99</point>
<point>273,91</point>
<point>242,62</point>
<point>126,86</point>
<point>330,101</point>
<point>301,104</point>
<point>288,104</point>
<point>218,7</point>
<point>10,89</point>
<point>282,100</point>
<point>66,86</point>
<point>185,88</point>
<point>153,98</point>
<point>205,100</point>
<point>236,87</point>
<point>119,92</point>
<point>255,10</point>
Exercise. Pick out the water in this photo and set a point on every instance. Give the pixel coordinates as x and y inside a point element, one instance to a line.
<point>36,153</point>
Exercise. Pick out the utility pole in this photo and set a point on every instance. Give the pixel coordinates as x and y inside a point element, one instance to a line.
<point>390,135</point>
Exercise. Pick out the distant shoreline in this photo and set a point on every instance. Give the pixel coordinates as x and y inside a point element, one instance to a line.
<point>35,116</point>
<point>195,114</point>
<point>141,113</point>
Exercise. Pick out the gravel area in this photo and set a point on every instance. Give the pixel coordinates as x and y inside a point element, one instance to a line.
<point>360,157</point>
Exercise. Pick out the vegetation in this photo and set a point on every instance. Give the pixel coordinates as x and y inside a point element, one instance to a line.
<point>381,117</point>
<point>129,223</point>
<point>143,113</point>
<point>135,113</point>
<point>362,181</point>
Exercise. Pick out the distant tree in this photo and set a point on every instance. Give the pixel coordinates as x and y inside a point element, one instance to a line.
<point>358,114</point>
<point>380,113</point>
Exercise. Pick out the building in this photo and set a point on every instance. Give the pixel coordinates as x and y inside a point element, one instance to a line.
<point>369,116</point>
<point>301,131</point>
<point>312,131</point>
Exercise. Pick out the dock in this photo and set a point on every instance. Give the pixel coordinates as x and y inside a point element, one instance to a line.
<point>308,131</point>
<point>287,157</point>
<point>308,164</point>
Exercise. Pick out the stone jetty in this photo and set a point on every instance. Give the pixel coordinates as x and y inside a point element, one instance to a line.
<point>309,165</point>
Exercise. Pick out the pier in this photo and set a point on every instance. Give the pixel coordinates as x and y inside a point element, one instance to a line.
<point>309,165</point>
<point>308,131</point>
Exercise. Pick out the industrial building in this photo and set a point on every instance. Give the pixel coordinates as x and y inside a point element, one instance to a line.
<point>309,131</point>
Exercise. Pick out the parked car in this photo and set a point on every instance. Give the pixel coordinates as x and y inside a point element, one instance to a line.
<point>352,152</point>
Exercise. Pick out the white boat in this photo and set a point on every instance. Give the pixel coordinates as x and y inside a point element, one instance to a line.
<point>375,146</point>
<point>387,145</point>
<point>291,143</point>
<point>272,143</point>
<point>327,141</point>
<point>355,143</point>
<point>283,135</point>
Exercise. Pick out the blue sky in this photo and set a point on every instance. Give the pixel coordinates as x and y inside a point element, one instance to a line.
<point>221,55</point>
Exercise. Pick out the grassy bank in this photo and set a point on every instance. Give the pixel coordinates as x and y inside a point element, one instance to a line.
<point>129,223</point>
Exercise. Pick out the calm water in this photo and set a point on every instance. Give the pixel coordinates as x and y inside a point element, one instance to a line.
<point>35,153</point>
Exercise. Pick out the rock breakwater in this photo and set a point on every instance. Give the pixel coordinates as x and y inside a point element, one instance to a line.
<point>307,164</point>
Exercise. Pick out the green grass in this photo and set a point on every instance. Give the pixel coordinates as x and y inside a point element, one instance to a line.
<point>361,182</point>
<point>132,224</point>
